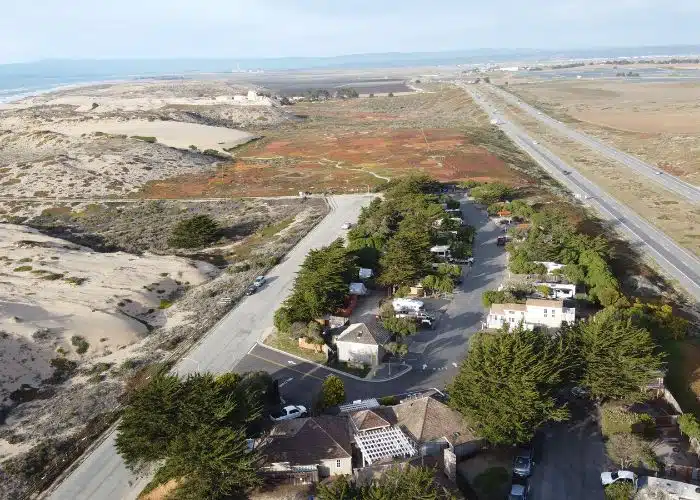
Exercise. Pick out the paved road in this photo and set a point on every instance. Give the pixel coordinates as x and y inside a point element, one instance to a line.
<point>675,261</point>
<point>665,179</point>
<point>569,462</point>
<point>231,345</point>
<point>102,474</point>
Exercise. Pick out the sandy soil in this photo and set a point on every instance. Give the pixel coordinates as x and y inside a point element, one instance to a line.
<point>80,142</point>
<point>52,290</point>
<point>174,134</point>
<point>656,121</point>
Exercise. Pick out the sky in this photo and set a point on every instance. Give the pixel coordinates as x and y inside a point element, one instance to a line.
<point>85,29</point>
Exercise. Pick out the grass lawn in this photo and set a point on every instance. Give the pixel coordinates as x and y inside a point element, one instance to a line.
<point>683,376</point>
<point>287,344</point>
<point>492,483</point>
<point>353,370</point>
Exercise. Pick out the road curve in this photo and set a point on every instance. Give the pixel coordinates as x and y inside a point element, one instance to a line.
<point>101,473</point>
<point>675,261</point>
<point>666,180</point>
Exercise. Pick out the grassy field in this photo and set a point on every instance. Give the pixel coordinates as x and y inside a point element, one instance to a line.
<point>355,145</point>
<point>657,121</point>
<point>664,209</point>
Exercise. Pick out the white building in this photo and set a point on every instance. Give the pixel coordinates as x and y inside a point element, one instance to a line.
<point>559,290</point>
<point>441,250</point>
<point>551,266</point>
<point>359,344</point>
<point>535,312</point>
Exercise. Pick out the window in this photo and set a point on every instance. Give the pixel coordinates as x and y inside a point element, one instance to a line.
<point>337,464</point>
<point>545,313</point>
<point>553,312</point>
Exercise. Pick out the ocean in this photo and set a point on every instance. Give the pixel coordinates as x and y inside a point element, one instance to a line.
<point>23,79</point>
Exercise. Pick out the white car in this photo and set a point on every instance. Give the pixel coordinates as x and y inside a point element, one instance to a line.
<point>611,477</point>
<point>534,142</point>
<point>288,413</point>
<point>659,172</point>
<point>346,225</point>
<point>259,281</point>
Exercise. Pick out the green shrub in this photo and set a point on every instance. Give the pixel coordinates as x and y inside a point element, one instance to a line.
<point>283,320</point>
<point>81,345</point>
<point>400,326</point>
<point>52,276</point>
<point>75,281</point>
<point>144,138</point>
<point>164,304</point>
<point>22,269</point>
<point>619,491</point>
<point>195,232</point>
<point>689,425</point>
<point>26,259</point>
<point>388,401</point>
<point>63,369</point>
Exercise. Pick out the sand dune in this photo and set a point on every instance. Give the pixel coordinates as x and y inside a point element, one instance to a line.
<point>52,290</point>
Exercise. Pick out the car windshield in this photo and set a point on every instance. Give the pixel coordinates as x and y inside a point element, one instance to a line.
<point>614,475</point>
<point>521,462</point>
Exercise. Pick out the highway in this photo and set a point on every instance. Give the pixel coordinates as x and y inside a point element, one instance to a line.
<point>673,260</point>
<point>101,473</point>
<point>666,180</point>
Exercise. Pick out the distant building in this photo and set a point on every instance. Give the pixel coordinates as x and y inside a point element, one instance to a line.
<point>441,251</point>
<point>534,313</point>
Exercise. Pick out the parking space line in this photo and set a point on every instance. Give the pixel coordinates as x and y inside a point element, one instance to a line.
<point>305,374</point>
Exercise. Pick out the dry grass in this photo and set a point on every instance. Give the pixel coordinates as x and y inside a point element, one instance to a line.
<point>658,122</point>
<point>666,210</point>
<point>352,145</point>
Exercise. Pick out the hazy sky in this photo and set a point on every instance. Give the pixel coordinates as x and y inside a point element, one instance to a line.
<point>37,29</point>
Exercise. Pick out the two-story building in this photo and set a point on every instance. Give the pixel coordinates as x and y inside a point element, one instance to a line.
<point>533,313</point>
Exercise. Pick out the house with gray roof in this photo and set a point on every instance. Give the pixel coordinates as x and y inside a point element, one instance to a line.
<point>319,444</point>
<point>361,344</point>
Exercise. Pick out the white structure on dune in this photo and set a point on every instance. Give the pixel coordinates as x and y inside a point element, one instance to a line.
<point>551,266</point>
<point>533,313</point>
<point>558,290</point>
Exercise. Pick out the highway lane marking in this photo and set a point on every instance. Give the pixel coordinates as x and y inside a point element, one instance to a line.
<point>305,374</point>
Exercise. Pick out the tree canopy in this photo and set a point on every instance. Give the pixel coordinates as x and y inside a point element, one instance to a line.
<point>619,358</point>
<point>197,426</point>
<point>332,391</point>
<point>195,232</point>
<point>321,286</point>
<point>505,386</point>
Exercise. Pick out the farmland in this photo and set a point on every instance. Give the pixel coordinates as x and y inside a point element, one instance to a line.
<point>356,145</point>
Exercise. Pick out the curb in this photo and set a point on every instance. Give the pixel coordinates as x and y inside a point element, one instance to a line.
<point>339,372</point>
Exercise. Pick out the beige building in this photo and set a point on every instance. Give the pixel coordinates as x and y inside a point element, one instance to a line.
<point>533,313</point>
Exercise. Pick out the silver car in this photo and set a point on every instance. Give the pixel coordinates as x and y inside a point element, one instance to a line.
<point>522,465</point>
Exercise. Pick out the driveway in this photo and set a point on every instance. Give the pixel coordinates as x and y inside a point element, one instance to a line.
<point>569,462</point>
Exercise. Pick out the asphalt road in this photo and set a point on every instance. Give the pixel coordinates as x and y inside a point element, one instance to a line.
<point>232,345</point>
<point>102,474</point>
<point>665,179</point>
<point>675,261</point>
<point>569,462</point>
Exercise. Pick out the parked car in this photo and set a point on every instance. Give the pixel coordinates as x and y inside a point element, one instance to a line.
<point>522,464</point>
<point>288,413</point>
<point>346,225</point>
<point>519,491</point>
<point>611,477</point>
<point>251,290</point>
<point>501,241</point>
<point>259,281</point>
